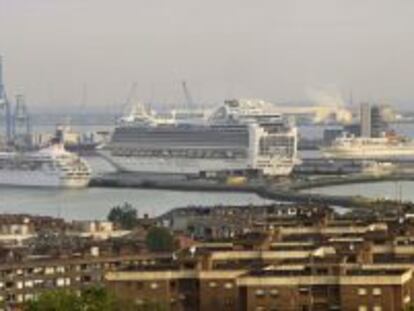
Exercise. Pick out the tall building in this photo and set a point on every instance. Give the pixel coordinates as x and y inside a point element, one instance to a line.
<point>379,123</point>
<point>365,117</point>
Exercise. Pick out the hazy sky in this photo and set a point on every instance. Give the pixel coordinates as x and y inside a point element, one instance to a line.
<point>279,50</point>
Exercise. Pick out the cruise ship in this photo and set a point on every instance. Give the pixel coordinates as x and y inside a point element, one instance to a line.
<point>238,136</point>
<point>390,146</point>
<point>49,167</point>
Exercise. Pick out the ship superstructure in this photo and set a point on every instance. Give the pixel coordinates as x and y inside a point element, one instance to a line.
<point>237,136</point>
<point>49,167</point>
<point>388,146</point>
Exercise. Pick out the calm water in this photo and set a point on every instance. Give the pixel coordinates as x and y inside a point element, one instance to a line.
<point>95,203</point>
<point>387,190</point>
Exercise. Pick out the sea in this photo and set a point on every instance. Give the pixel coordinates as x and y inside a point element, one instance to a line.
<point>95,203</point>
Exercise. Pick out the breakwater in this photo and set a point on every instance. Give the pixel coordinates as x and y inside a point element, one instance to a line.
<point>285,192</point>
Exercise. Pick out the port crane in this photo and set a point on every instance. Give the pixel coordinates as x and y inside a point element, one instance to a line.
<point>5,109</point>
<point>131,94</point>
<point>21,124</point>
<point>187,95</point>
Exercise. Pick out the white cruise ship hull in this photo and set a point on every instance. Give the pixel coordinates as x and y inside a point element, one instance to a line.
<point>49,167</point>
<point>39,179</point>
<point>188,166</point>
<point>367,153</point>
<point>175,165</point>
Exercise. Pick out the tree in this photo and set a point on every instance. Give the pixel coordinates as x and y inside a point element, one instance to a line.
<point>124,215</point>
<point>159,240</point>
<point>89,299</point>
<point>59,300</point>
<point>98,299</point>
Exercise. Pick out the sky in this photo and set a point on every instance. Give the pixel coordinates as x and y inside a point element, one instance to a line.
<point>67,54</point>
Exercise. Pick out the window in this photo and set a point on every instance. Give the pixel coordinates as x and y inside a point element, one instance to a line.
<point>362,308</point>
<point>228,285</point>
<point>28,297</point>
<point>376,291</point>
<point>49,270</point>
<point>154,285</point>
<point>362,291</point>
<point>228,302</point>
<point>274,292</point>
<point>60,282</point>
<point>377,308</point>
<point>139,302</point>
<point>259,292</point>
<point>60,269</point>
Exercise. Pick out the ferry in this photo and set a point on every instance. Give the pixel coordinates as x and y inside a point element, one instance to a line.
<point>388,146</point>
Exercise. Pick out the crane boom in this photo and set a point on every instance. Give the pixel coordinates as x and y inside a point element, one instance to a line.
<point>130,96</point>
<point>187,95</point>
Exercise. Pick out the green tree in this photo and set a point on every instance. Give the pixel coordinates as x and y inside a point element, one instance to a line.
<point>98,299</point>
<point>123,215</point>
<point>89,299</point>
<point>159,240</point>
<point>59,300</point>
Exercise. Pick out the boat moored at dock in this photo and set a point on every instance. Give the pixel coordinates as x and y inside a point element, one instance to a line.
<point>240,135</point>
<point>49,167</point>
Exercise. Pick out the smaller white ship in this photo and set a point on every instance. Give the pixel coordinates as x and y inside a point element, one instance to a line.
<point>49,167</point>
<point>389,146</point>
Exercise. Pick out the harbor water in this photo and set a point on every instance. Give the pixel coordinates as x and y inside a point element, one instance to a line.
<point>95,203</point>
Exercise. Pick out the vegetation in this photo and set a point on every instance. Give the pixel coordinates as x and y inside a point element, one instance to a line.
<point>123,215</point>
<point>90,299</point>
<point>93,299</point>
<point>159,240</point>
<point>55,301</point>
